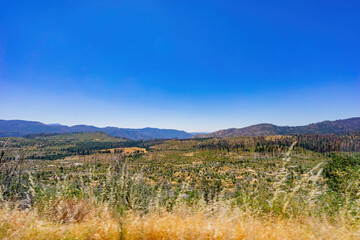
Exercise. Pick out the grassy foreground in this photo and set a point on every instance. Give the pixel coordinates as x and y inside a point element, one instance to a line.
<point>217,222</point>
<point>114,201</point>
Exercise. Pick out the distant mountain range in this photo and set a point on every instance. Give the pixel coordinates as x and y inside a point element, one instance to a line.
<point>327,127</point>
<point>19,128</point>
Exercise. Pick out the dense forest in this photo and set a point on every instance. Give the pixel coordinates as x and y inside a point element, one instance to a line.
<point>313,142</point>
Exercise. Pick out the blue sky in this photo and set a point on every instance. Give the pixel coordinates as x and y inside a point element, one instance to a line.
<point>191,65</point>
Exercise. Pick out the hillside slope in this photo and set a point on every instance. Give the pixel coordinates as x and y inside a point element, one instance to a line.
<point>18,128</point>
<point>327,127</point>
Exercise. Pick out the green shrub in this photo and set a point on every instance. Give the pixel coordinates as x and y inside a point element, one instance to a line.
<point>340,170</point>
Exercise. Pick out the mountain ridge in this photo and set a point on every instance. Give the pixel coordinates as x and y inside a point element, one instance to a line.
<point>19,128</point>
<point>341,126</point>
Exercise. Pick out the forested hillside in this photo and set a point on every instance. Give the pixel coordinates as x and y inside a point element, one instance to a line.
<point>327,127</point>
<point>18,128</point>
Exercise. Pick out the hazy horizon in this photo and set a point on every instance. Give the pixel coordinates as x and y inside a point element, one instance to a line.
<point>195,66</point>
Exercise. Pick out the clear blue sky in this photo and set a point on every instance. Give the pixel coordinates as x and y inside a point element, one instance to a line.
<point>191,65</point>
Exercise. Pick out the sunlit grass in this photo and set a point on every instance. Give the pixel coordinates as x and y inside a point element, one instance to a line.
<point>179,224</point>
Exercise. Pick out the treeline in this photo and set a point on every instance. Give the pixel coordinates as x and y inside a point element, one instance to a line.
<point>249,144</point>
<point>330,143</point>
<point>274,144</point>
<point>86,148</point>
<point>40,135</point>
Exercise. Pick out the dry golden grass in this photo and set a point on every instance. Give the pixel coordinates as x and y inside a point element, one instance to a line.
<point>98,224</point>
<point>180,224</point>
<point>232,225</point>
